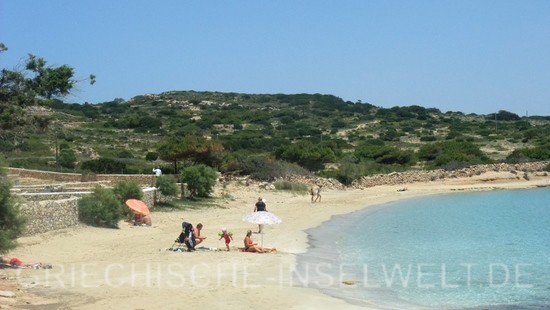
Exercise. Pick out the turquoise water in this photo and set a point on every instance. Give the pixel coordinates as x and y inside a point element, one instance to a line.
<point>468,250</point>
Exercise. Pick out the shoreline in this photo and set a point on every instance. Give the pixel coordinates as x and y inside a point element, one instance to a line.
<point>130,268</point>
<point>326,241</point>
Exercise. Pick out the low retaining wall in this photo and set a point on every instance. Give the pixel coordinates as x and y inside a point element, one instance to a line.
<point>51,211</point>
<point>48,215</point>
<point>77,177</point>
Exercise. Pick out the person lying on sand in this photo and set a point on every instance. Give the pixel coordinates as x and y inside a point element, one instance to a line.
<point>250,246</point>
<point>17,263</point>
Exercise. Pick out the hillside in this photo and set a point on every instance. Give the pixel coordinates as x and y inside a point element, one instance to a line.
<point>283,127</point>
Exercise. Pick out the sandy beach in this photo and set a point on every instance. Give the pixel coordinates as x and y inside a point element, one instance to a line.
<point>131,268</point>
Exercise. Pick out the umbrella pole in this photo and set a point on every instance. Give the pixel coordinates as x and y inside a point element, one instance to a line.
<point>262,238</point>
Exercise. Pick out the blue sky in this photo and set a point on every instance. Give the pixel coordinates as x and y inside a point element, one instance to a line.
<point>461,55</point>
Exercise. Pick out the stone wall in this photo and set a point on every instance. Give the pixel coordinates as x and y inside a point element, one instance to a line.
<point>50,211</point>
<point>77,177</point>
<point>48,215</point>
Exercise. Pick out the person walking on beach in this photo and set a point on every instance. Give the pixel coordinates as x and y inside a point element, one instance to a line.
<point>318,193</point>
<point>312,193</point>
<point>227,236</point>
<point>260,206</point>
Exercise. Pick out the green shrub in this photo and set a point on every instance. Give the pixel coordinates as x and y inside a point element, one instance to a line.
<point>382,154</point>
<point>289,186</point>
<point>529,154</point>
<point>307,154</point>
<point>67,158</point>
<point>125,154</point>
<point>452,154</point>
<point>167,185</point>
<point>11,221</point>
<point>127,189</point>
<point>427,138</point>
<point>29,163</point>
<point>151,156</point>
<point>104,165</point>
<point>200,180</point>
<point>101,208</point>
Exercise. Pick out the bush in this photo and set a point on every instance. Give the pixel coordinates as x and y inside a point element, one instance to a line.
<point>11,221</point>
<point>529,154</point>
<point>347,172</point>
<point>104,165</point>
<point>151,156</point>
<point>289,186</point>
<point>427,138</point>
<point>127,189</point>
<point>452,153</point>
<point>167,185</point>
<point>102,208</point>
<point>200,180</point>
<point>67,158</point>
<point>125,154</point>
<point>266,168</point>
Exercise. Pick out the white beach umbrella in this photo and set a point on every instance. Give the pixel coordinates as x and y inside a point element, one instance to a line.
<point>264,218</point>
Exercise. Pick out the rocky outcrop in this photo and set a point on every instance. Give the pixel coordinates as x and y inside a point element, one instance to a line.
<point>313,181</point>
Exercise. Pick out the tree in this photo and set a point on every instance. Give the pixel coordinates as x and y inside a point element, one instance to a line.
<point>200,180</point>
<point>171,149</point>
<point>190,147</point>
<point>36,84</point>
<point>11,221</point>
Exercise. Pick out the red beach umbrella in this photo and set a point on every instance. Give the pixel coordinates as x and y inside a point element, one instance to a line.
<point>137,206</point>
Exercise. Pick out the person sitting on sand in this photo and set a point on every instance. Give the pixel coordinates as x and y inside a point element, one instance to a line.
<point>198,237</point>
<point>250,246</point>
<point>142,219</point>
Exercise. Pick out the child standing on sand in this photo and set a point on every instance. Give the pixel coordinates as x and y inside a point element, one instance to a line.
<point>227,236</point>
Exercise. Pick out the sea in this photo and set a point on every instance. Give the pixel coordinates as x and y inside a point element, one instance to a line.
<point>468,250</point>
